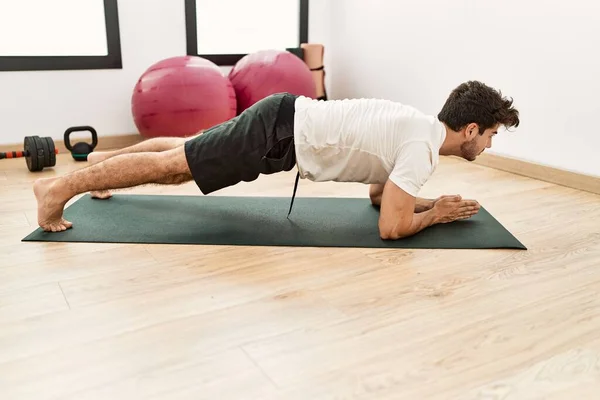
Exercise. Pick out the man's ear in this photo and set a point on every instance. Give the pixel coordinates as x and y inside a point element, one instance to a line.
<point>471,131</point>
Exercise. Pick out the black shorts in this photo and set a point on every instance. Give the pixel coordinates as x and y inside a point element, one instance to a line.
<point>258,141</point>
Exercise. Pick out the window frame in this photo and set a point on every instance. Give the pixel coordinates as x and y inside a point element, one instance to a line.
<point>54,63</point>
<point>231,59</point>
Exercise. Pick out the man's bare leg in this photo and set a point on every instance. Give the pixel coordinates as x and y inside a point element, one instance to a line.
<point>147,146</point>
<point>118,172</point>
<point>151,145</point>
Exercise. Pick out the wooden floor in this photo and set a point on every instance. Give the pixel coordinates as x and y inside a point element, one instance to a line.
<point>106,321</point>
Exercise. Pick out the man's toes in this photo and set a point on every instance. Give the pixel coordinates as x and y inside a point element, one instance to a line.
<point>63,225</point>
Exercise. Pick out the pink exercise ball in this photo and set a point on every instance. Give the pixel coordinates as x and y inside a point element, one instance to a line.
<point>181,96</point>
<point>262,73</point>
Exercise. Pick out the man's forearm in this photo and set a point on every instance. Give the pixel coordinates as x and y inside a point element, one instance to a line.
<point>419,222</point>
<point>420,204</point>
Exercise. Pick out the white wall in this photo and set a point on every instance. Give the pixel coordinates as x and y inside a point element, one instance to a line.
<point>544,55</point>
<point>46,103</point>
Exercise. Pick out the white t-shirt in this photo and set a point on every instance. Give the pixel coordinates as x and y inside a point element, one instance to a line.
<point>367,141</point>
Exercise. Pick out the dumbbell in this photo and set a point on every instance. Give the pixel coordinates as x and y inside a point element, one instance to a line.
<point>39,153</point>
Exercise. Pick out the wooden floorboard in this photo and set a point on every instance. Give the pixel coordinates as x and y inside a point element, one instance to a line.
<point>128,321</point>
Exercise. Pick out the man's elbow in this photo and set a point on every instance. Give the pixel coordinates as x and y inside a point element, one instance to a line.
<point>392,232</point>
<point>388,235</point>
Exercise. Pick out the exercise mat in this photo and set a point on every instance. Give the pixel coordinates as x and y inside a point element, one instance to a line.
<point>259,221</point>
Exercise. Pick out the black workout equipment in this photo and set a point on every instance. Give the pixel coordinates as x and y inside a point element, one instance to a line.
<point>39,153</point>
<point>80,150</point>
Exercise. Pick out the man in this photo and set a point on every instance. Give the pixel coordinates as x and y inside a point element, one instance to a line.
<point>390,146</point>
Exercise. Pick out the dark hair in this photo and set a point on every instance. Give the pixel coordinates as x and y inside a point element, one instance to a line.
<point>475,102</point>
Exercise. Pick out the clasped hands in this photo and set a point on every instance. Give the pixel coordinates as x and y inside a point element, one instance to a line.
<point>450,208</point>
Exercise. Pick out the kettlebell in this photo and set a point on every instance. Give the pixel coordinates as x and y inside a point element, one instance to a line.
<point>80,150</point>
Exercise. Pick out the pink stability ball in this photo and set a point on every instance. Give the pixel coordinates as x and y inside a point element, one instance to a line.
<point>181,96</point>
<point>260,74</point>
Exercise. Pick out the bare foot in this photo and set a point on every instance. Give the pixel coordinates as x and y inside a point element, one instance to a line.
<point>94,158</point>
<point>50,206</point>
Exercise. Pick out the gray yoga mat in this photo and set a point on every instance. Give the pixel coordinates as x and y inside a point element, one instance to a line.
<point>260,221</point>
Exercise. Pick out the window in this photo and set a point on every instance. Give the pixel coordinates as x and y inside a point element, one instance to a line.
<point>224,31</point>
<point>59,35</point>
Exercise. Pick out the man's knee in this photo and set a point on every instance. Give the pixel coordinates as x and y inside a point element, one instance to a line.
<point>174,169</point>
<point>175,162</point>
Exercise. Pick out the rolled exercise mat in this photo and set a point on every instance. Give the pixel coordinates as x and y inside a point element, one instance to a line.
<point>314,57</point>
<point>259,221</point>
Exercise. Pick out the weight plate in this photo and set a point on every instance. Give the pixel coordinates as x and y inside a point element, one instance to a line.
<point>30,148</point>
<point>52,152</point>
<point>45,153</point>
<point>40,153</point>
